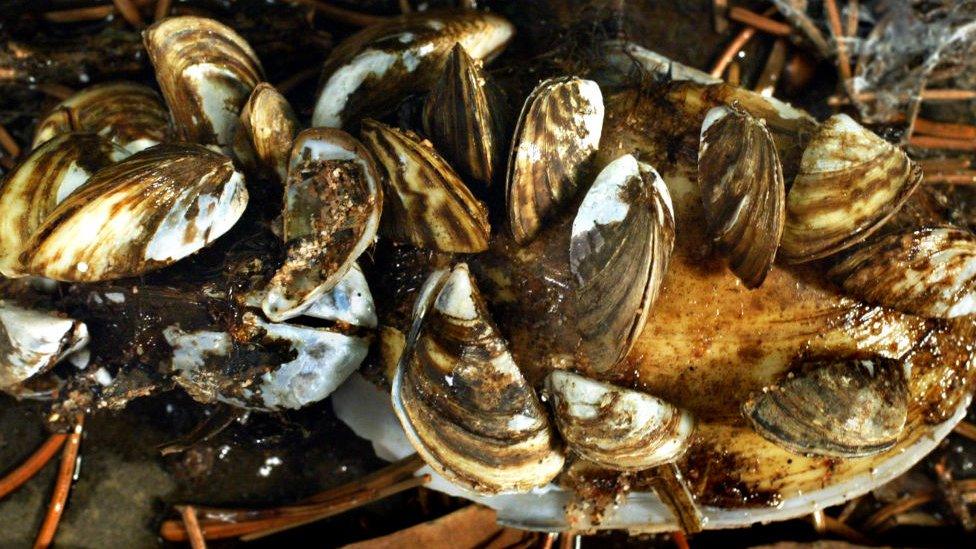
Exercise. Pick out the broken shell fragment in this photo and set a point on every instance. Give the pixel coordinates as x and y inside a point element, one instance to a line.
<point>743,191</point>
<point>350,301</point>
<point>333,203</point>
<point>427,203</point>
<point>929,272</point>
<point>42,181</point>
<point>461,399</point>
<point>372,71</point>
<point>129,114</point>
<point>269,125</point>
<point>617,428</point>
<point>556,137</point>
<point>843,408</point>
<point>850,182</point>
<point>463,116</point>
<point>31,342</point>
<point>143,213</point>
<point>206,72</point>
<point>621,243</point>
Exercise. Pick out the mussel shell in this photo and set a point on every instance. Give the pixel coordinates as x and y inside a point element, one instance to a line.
<point>843,408</point>
<point>269,125</point>
<point>464,117</point>
<point>333,202</point>
<point>127,113</point>
<point>146,212</point>
<point>370,72</point>
<point>928,272</point>
<point>42,181</point>
<point>850,183</point>
<point>618,428</point>
<point>31,342</point>
<point>462,400</point>
<point>206,72</point>
<point>743,191</point>
<point>350,301</point>
<point>621,243</point>
<point>557,135</point>
<point>427,203</point>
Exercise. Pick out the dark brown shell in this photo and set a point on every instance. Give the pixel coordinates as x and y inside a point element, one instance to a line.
<point>743,192</point>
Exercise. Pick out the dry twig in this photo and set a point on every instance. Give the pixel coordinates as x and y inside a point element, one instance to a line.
<point>343,15</point>
<point>62,487</point>
<point>32,465</point>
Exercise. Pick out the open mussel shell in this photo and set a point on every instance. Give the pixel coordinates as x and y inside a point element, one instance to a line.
<point>31,342</point>
<point>206,72</point>
<point>279,366</point>
<point>427,203</point>
<point>350,301</point>
<point>333,202</point>
<point>141,214</point>
<point>621,243</point>
<point>850,182</point>
<point>557,135</point>
<point>370,72</point>
<point>464,117</point>
<point>617,428</point>
<point>129,114</point>
<point>269,126</point>
<point>462,400</point>
<point>42,181</point>
<point>928,272</point>
<point>743,192</point>
<point>843,408</point>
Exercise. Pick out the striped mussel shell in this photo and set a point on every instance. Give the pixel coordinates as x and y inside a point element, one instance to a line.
<point>32,342</point>
<point>618,428</point>
<point>462,400</point>
<point>206,72</point>
<point>621,243</point>
<point>850,183</point>
<point>427,203</point>
<point>268,128</point>
<point>929,272</point>
<point>372,71</point>
<point>129,114</point>
<point>556,138</point>
<point>333,202</point>
<point>141,214</point>
<point>464,117</point>
<point>43,180</point>
<point>743,191</point>
<point>840,407</point>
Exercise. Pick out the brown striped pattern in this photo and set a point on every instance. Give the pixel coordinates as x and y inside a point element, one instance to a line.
<point>556,137</point>
<point>743,193</point>
<point>177,45</point>
<point>840,408</point>
<point>269,126</point>
<point>427,204</point>
<point>31,192</point>
<point>463,117</point>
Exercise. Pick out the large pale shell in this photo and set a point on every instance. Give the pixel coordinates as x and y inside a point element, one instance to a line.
<point>427,204</point>
<point>929,272</point>
<point>146,212</point>
<point>270,126</point>
<point>556,137</point>
<point>845,408</point>
<point>129,114</point>
<point>31,342</point>
<point>370,72</point>
<point>463,116</point>
<point>461,398</point>
<point>743,192</point>
<point>620,247</point>
<point>206,72</point>
<point>850,182</point>
<point>42,181</point>
<point>333,203</point>
<point>617,428</point>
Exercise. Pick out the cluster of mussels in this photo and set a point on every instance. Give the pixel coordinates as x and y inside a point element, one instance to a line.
<point>121,183</point>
